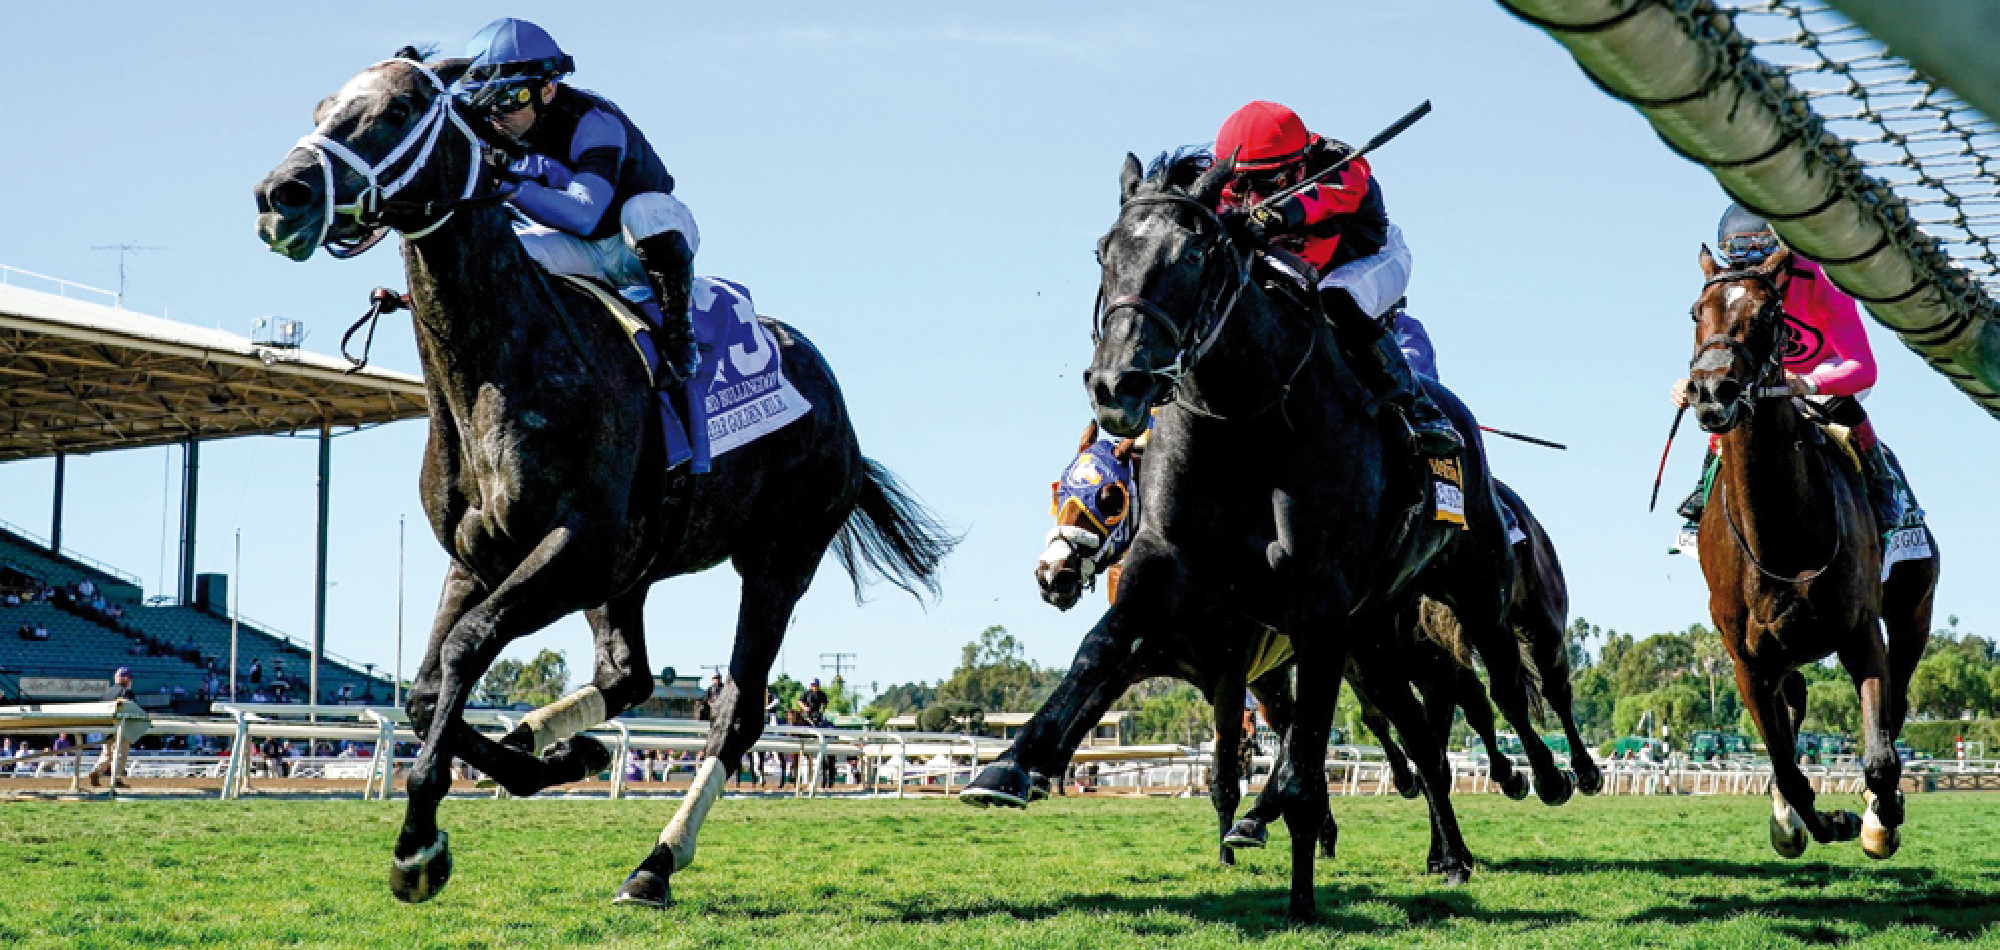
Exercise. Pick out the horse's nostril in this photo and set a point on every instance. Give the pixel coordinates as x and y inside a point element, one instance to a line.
<point>291,195</point>
<point>1133,385</point>
<point>1727,391</point>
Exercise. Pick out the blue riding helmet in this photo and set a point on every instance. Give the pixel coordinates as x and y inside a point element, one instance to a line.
<point>1745,238</point>
<point>511,60</point>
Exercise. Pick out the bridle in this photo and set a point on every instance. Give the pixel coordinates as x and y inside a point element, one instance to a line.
<point>374,203</point>
<point>1190,345</point>
<point>1769,322</point>
<point>1761,387</point>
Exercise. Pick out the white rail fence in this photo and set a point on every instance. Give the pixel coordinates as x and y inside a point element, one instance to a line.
<point>820,762</point>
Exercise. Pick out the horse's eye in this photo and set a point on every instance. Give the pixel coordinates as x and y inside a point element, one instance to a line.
<point>397,113</point>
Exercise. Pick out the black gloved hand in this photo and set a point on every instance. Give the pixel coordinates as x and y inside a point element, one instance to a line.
<point>1279,217</point>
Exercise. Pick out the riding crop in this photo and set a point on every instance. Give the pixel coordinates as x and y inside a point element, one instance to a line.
<point>1676,427</point>
<point>1381,138</point>
<point>1531,440</point>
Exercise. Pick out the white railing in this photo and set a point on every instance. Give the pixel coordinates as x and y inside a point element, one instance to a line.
<point>12,276</point>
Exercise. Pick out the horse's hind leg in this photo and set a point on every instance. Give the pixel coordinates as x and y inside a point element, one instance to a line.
<point>1469,694</point>
<point>1485,621</point>
<point>1906,612</point>
<point>1448,852</point>
<point>770,590</point>
<point>1548,645</point>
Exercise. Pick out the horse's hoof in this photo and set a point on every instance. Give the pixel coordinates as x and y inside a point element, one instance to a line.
<point>1414,788</point>
<point>1247,834</point>
<point>1302,913</point>
<point>576,758</point>
<point>1557,791</point>
<point>420,876</point>
<point>1433,866</point>
<point>647,885</point>
<point>1228,856</point>
<point>1038,786</point>
<point>1589,781</point>
<point>1515,786</point>
<point>1326,848</point>
<point>1003,784</point>
<point>1840,826</point>
<point>1878,840</point>
<point>1788,840</point>
<point>1456,875</point>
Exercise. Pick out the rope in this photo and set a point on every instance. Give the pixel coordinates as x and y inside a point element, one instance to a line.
<point>1926,149</point>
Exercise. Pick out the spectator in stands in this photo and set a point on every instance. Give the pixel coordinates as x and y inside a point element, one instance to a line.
<point>27,632</point>
<point>774,711</point>
<point>346,693</point>
<point>114,748</point>
<point>41,632</point>
<point>256,672</point>
<point>87,588</point>
<point>714,691</point>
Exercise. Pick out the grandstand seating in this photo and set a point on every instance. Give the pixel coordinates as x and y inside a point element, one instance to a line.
<point>166,646</point>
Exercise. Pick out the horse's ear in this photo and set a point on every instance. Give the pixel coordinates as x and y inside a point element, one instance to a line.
<point>450,70</point>
<point>1208,188</point>
<point>1708,268</point>
<point>1089,436</point>
<point>1129,176</point>
<point>410,53</point>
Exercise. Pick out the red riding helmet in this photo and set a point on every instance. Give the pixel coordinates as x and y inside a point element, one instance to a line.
<point>1262,135</point>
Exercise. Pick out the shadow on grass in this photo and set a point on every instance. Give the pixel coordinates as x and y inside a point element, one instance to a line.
<point>1252,912</point>
<point>1900,896</point>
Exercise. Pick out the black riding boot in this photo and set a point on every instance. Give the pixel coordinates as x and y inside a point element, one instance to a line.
<point>1885,495</point>
<point>1698,499</point>
<point>669,265</point>
<point>1380,366</point>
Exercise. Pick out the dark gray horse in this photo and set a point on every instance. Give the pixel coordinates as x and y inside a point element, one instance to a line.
<point>1270,491</point>
<point>545,477</point>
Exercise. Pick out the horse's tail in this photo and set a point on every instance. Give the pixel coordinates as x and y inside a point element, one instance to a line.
<point>892,536</point>
<point>1531,678</point>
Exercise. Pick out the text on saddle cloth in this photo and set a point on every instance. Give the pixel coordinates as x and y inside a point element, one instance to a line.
<point>739,392</point>
<point>1448,492</point>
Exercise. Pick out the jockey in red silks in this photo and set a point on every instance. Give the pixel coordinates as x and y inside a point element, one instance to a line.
<point>1339,227</point>
<point>1827,362</point>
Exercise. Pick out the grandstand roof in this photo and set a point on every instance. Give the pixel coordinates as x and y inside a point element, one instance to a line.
<point>78,376</point>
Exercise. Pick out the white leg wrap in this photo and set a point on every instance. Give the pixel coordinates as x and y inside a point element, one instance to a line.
<point>680,834</point>
<point>565,717</point>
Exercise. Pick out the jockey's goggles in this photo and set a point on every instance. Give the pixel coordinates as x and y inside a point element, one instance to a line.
<point>1744,250</point>
<point>509,87</point>
<point>501,97</point>
<point>1266,181</point>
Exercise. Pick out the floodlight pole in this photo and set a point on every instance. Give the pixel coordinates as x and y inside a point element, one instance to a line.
<point>319,570</point>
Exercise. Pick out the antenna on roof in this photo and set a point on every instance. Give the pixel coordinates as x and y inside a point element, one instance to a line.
<point>124,249</point>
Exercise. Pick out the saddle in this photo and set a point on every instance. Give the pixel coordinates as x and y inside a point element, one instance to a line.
<point>737,395</point>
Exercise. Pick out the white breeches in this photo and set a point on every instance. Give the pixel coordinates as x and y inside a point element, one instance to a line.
<point>611,258</point>
<point>1377,281</point>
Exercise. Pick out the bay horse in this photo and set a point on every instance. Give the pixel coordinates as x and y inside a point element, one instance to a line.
<point>1272,491</point>
<point>1794,563</point>
<point>545,473</point>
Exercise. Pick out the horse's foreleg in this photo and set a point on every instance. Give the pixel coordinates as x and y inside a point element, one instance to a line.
<point>421,844</point>
<point>1494,639</point>
<point>1407,784</point>
<point>769,594</point>
<point>529,599</point>
<point>1868,667</point>
<point>1449,855</point>
<point>1223,789</point>
<point>1301,789</point>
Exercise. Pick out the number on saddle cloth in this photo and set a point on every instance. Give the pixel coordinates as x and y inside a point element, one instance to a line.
<point>737,395</point>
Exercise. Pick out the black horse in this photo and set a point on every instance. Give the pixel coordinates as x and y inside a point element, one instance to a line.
<point>1431,649</point>
<point>1271,490</point>
<point>545,476</point>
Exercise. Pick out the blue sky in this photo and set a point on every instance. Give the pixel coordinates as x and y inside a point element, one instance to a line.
<point>918,189</point>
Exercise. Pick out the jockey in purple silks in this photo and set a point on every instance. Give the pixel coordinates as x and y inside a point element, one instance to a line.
<point>598,195</point>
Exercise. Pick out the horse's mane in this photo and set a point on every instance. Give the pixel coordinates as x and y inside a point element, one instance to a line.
<point>1178,169</point>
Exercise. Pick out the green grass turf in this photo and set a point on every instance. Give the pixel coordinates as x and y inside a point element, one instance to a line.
<point>1670,872</point>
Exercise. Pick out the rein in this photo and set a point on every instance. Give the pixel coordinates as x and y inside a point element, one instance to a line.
<point>1746,400</point>
<point>1187,354</point>
<point>374,203</point>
